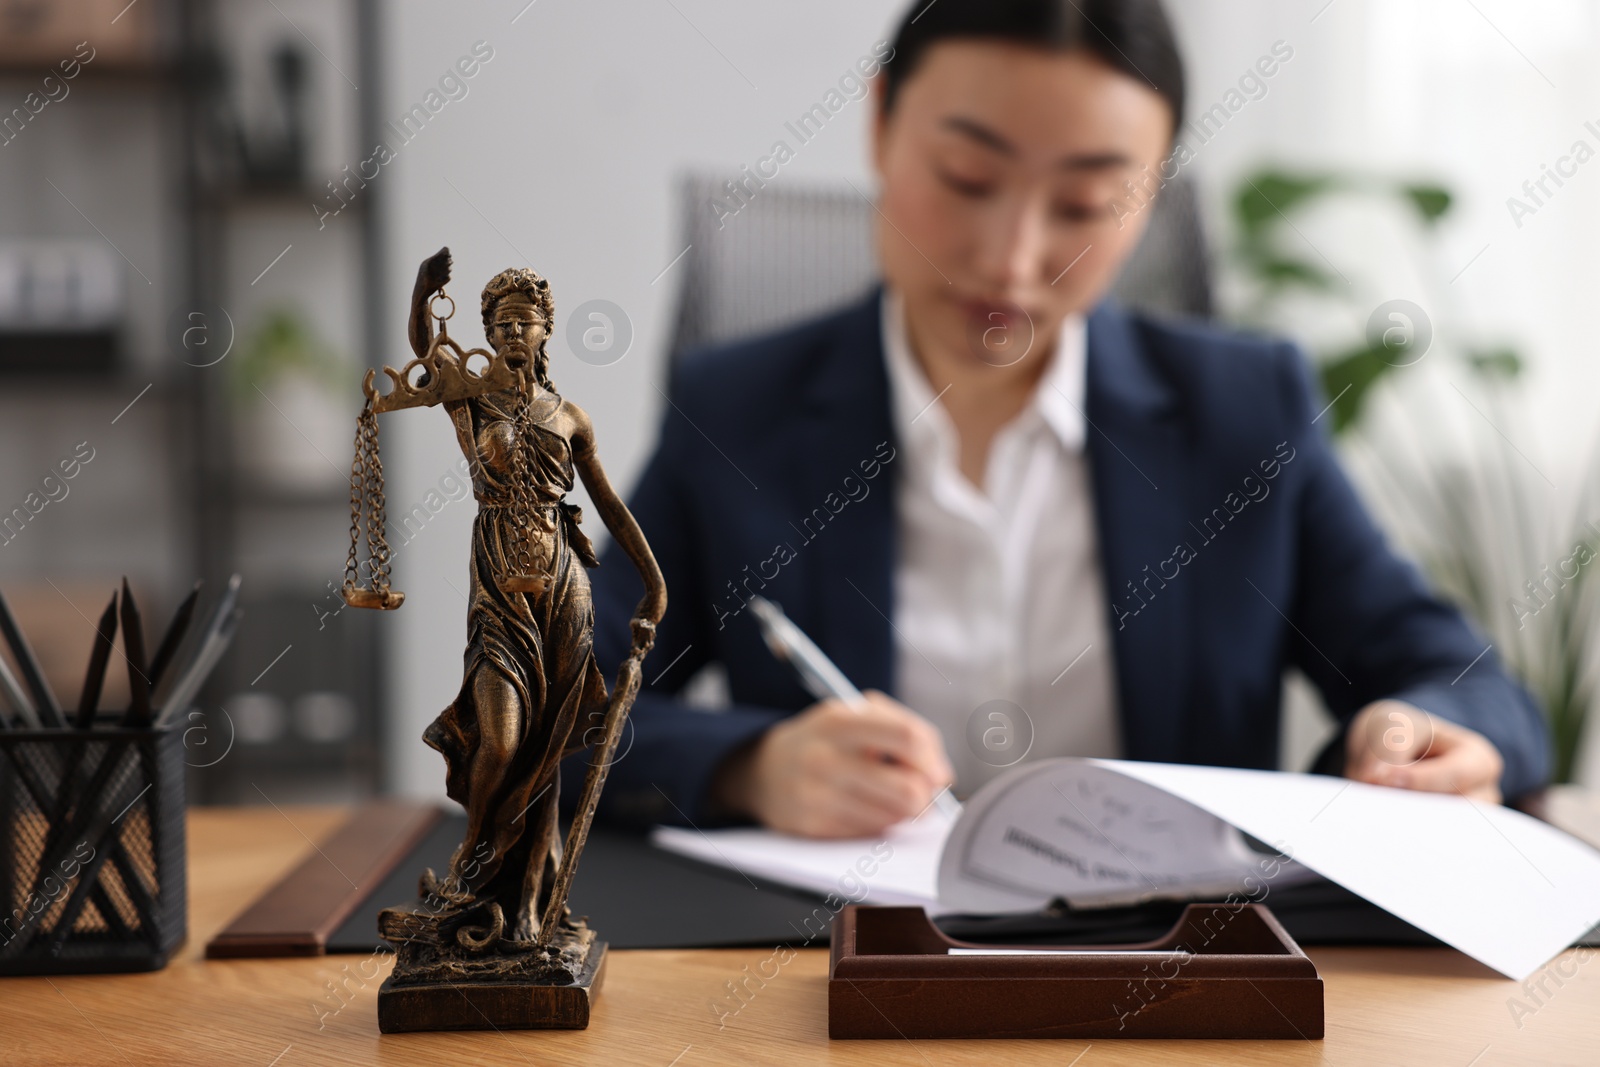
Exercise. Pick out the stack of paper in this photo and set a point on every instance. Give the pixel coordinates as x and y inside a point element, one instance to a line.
<point>902,867</point>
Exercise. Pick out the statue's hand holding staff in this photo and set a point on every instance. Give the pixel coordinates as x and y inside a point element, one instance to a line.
<point>644,636</point>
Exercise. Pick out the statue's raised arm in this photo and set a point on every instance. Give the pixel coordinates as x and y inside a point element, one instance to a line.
<point>442,371</point>
<point>432,276</point>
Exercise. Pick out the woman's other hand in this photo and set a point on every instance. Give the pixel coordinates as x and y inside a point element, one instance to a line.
<point>1393,743</point>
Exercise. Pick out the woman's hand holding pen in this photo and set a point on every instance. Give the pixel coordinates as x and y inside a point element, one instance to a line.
<point>838,771</point>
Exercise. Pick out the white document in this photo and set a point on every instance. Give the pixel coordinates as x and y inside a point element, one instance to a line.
<point>1084,832</point>
<point>901,867</point>
<point>1500,886</point>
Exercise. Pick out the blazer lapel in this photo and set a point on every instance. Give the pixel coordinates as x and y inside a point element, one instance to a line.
<point>1138,462</point>
<point>849,543</point>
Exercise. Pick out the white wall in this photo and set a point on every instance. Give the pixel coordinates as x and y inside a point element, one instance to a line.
<point>1477,96</point>
<point>568,144</point>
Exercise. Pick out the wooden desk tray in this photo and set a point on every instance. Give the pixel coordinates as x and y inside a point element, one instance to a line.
<point>1224,971</point>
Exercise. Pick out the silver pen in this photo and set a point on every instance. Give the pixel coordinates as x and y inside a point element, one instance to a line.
<point>818,674</point>
<point>213,641</point>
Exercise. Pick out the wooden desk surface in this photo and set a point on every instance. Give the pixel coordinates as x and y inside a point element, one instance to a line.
<point>671,1009</point>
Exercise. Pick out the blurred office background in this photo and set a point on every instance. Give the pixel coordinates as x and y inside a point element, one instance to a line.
<point>201,250</point>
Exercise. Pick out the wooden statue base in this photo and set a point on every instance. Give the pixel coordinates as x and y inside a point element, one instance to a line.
<point>489,1005</point>
<point>454,973</point>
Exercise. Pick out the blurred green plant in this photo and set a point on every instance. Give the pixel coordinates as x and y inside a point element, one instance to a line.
<point>1483,535</point>
<point>1262,205</point>
<point>1479,529</point>
<point>283,345</point>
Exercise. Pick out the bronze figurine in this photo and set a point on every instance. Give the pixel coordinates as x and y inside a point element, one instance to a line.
<point>492,943</point>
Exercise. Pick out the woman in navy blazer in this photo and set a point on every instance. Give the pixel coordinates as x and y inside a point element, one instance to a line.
<point>1231,545</point>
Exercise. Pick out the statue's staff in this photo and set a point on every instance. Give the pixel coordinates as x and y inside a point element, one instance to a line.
<point>622,694</point>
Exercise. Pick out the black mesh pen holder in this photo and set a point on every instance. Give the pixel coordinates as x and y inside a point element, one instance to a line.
<point>91,850</point>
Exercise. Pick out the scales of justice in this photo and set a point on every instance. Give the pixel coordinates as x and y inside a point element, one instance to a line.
<point>492,943</point>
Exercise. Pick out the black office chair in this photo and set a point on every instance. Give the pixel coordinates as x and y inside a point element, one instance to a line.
<point>793,252</point>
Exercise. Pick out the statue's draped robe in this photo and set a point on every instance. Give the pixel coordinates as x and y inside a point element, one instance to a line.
<point>541,644</point>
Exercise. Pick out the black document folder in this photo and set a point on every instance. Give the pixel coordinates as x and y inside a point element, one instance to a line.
<point>639,896</point>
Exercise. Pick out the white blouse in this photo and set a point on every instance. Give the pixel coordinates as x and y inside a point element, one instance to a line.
<point>1001,633</point>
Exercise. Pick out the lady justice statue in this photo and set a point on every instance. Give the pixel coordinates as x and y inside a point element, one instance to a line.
<point>492,943</point>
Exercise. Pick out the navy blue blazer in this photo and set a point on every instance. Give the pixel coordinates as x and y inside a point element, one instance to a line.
<point>1232,547</point>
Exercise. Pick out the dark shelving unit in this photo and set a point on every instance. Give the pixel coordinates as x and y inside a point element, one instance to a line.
<point>197,509</point>
<point>285,656</point>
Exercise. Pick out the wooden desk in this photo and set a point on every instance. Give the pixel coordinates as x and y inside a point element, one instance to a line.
<point>1389,1006</point>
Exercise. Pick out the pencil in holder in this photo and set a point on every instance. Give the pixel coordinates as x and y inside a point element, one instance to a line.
<point>92,875</point>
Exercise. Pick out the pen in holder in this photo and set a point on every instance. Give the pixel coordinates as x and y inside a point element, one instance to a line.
<point>92,805</point>
<point>92,875</point>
